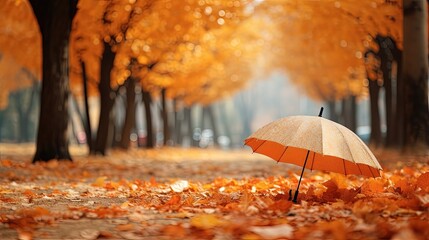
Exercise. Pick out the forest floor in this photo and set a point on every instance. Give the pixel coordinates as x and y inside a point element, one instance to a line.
<point>173,193</point>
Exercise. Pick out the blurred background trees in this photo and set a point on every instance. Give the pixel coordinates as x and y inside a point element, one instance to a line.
<point>160,72</point>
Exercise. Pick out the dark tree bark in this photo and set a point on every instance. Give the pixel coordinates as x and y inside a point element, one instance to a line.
<point>115,126</point>
<point>386,60</point>
<point>164,115</point>
<point>107,99</point>
<point>55,20</point>
<point>87,123</point>
<point>397,56</point>
<point>1,123</point>
<point>374,91</point>
<point>147,101</point>
<point>178,120</point>
<point>415,73</point>
<point>372,73</point>
<point>130,113</point>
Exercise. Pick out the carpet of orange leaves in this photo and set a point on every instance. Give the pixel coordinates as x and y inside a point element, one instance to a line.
<point>207,194</point>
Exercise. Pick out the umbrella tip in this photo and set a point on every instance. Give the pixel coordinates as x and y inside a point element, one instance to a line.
<point>321,112</point>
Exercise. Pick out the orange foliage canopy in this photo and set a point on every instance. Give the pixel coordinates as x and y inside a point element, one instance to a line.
<point>204,50</point>
<point>171,40</point>
<point>20,42</point>
<point>322,43</point>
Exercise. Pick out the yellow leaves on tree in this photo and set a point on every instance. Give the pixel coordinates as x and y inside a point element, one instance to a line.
<point>20,53</point>
<point>205,50</point>
<point>166,37</point>
<point>333,37</point>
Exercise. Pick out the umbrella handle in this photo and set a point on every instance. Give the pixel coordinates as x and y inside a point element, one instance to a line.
<point>295,197</point>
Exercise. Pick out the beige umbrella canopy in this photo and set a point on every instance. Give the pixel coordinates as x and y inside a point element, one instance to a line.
<point>315,143</point>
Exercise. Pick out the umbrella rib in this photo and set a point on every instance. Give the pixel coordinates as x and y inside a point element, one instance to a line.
<point>357,164</point>
<point>347,143</point>
<point>246,141</point>
<point>282,154</point>
<point>312,162</point>
<point>348,147</point>
<point>344,165</point>
<point>368,154</point>
<point>321,137</point>
<point>370,171</point>
<point>259,145</point>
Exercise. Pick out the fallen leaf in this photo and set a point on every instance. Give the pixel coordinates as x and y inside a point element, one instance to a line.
<point>90,234</point>
<point>424,200</point>
<point>423,181</point>
<point>179,186</point>
<point>206,221</point>
<point>125,227</point>
<point>130,236</point>
<point>6,163</point>
<point>273,232</point>
<point>176,231</point>
<point>372,186</point>
<point>281,205</point>
<point>99,182</point>
<point>25,235</point>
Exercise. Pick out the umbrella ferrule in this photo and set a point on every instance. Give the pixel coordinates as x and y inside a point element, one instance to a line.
<point>321,112</point>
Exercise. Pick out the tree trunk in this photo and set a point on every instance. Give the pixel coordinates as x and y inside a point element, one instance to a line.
<point>87,123</point>
<point>348,112</point>
<point>399,99</point>
<point>1,123</point>
<point>209,114</point>
<point>55,20</point>
<point>130,113</point>
<point>147,101</point>
<point>246,114</point>
<point>332,110</point>
<point>374,90</point>
<point>115,126</point>
<point>164,115</point>
<point>178,120</point>
<point>225,120</point>
<point>386,58</point>
<point>353,112</point>
<point>107,97</point>
<point>415,73</point>
<point>23,110</point>
<point>190,127</point>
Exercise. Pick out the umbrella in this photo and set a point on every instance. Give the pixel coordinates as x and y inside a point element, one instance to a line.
<point>314,143</point>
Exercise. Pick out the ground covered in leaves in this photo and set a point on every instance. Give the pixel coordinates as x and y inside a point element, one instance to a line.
<point>206,194</point>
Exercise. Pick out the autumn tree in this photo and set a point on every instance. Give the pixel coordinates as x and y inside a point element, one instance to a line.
<point>335,35</point>
<point>19,66</point>
<point>161,42</point>
<point>373,72</point>
<point>415,74</point>
<point>328,64</point>
<point>55,23</point>
<point>103,27</point>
